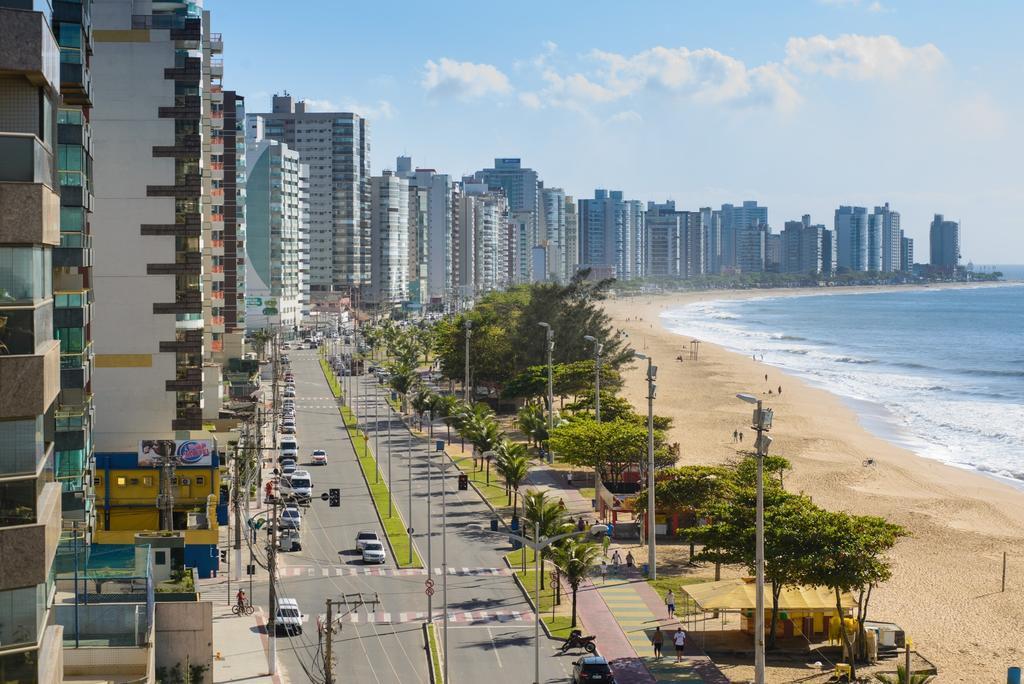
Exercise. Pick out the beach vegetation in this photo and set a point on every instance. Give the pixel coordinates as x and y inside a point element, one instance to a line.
<point>543,514</point>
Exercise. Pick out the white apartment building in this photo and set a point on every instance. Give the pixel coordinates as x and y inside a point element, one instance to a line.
<point>389,245</point>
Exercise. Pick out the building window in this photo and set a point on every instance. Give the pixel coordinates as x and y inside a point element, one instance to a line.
<point>121,481</point>
<point>18,501</point>
<point>147,481</point>
<point>160,558</point>
<point>200,480</point>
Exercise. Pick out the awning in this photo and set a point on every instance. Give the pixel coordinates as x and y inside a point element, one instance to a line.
<point>741,594</point>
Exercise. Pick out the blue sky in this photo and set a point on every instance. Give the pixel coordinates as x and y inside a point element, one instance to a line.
<point>800,104</point>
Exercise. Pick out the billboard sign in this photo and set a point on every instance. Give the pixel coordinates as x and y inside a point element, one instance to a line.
<point>182,452</point>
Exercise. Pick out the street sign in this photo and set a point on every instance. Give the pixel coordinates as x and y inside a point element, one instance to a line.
<point>430,591</point>
<point>325,496</point>
<point>250,569</point>
<point>409,530</point>
<point>429,583</point>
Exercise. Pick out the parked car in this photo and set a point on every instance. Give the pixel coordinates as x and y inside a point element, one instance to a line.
<point>373,552</point>
<point>289,447</point>
<point>288,618</point>
<point>288,540</point>
<point>291,518</point>
<point>592,669</point>
<point>288,467</point>
<point>288,429</point>
<point>298,485</point>
<point>319,457</point>
<point>289,392</point>
<point>365,536</point>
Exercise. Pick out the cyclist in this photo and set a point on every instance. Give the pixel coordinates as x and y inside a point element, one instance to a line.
<point>240,598</point>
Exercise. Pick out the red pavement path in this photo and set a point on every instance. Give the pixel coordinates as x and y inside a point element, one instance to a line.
<point>611,642</point>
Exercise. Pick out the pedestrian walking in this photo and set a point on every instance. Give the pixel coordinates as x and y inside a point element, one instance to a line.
<point>568,478</point>
<point>780,389</point>
<point>735,435</point>
<point>604,570</point>
<point>741,438</point>
<point>580,525</point>
<point>766,377</point>
<point>629,559</point>
<point>657,639</point>
<point>605,543</point>
<point>679,639</point>
<point>670,603</point>
<point>616,561</point>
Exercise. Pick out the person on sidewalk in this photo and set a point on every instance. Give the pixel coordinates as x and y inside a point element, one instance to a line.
<point>605,543</point>
<point>604,570</point>
<point>630,561</point>
<point>568,479</point>
<point>580,524</point>
<point>679,639</point>
<point>657,639</point>
<point>616,561</point>
<point>670,603</point>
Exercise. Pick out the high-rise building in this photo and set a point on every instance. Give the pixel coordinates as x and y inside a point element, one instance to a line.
<point>551,233</point>
<point>482,225</point>
<point>664,240</point>
<point>851,231</point>
<point>72,264</point>
<point>906,253</point>
<point>525,262</point>
<point>891,239</point>
<point>275,224</point>
<point>30,357</point>
<point>750,249</point>
<point>711,220</point>
<point>610,229</point>
<point>430,232</point>
<point>227,271</point>
<point>694,236</point>
<point>389,251</point>
<point>772,252</point>
<point>829,252</point>
<point>804,247</point>
<point>520,185</point>
<point>336,147</point>
<point>572,239</point>
<point>944,244</point>
<point>737,218</point>
<point>875,232</point>
<point>154,227</point>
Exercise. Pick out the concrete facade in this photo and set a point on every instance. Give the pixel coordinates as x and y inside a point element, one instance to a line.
<point>389,221</point>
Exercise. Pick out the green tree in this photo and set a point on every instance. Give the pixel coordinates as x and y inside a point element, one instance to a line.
<point>694,488</point>
<point>575,560</point>
<point>548,515</point>
<point>481,430</point>
<point>449,408</point>
<point>403,379</point>
<point>851,557</point>
<point>513,464</point>
<point>421,401</point>
<point>610,447</point>
<point>533,423</point>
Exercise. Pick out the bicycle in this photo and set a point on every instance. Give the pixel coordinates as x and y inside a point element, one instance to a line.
<point>243,609</point>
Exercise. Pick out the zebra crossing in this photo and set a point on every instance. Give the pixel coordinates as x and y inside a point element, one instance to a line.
<point>349,571</point>
<point>464,617</point>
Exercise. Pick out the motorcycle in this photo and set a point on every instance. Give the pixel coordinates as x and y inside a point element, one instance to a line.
<point>577,640</point>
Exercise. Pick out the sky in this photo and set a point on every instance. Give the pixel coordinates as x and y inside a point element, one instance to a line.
<point>802,105</point>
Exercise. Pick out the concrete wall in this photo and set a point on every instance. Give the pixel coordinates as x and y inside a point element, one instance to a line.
<point>184,631</point>
<point>129,86</point>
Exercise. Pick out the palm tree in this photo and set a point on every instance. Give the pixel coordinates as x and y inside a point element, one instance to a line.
<point>901,676</point>
<point>420,401</point>
<point>483,432</point>
<point>448,408</point>
<point>533,423</point>
<point>403,380</point>
<point>575,560</point>
<point>260,338</point>
<point>513,464</point>
<point>548,515</point>
<point>434,406</point>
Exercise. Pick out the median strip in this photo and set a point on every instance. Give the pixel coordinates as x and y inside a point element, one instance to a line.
<point>394,526</point>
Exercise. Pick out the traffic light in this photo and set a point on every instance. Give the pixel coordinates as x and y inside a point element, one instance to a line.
<point>335,498</point>
<point>463,481</point>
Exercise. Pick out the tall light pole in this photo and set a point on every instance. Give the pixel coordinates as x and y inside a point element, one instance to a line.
<point>598,348</point>
<point>549,344</point>
<point>762,422</point>
<point>468,325</point>
<point>652,555</point>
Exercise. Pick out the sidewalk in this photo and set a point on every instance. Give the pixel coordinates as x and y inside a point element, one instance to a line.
<point>240,648</point>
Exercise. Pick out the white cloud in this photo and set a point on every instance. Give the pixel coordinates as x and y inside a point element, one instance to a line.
<point>382,110</point>
<point>628,116</point>
<point>530,100</point>
<point>704,75</point>
<point>464,80</point>
<point>861,57</point>
<point>315,105</point>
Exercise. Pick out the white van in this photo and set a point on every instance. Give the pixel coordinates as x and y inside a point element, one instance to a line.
<point>288,619</point>
<point>289,447</point>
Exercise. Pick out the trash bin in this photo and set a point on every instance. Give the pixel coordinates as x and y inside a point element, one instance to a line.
<point>1013,675</point>
<point>494,524</point>
<point>644,568</point>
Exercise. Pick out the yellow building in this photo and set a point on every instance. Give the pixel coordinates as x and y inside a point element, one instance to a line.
<point>127,496</point>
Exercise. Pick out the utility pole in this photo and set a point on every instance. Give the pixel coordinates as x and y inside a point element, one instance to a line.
<point>652,554</point>
<point>238,517</point>
<point>549,343</point>
<point>408,461</point>
<point>598,348</point>
<point>166,499</point>
<point>430,525</point>
<point>387,439</point>
<point>272,569</point>
<point>275,361</point>
<point>376,441</point>
<point>328,664</point>
<point>444,558</point>
<point>468,324</point>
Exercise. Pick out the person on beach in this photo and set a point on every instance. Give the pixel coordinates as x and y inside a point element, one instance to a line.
<point>735,435</point>
<point>766,377</point>
<point>780,389</point>
<point>741,438</point>
<point>580,525</point>
<point>679,639</point>
<point>670,603</point>
<point>657,639</point>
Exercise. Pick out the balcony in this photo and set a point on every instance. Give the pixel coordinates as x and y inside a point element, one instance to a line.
<point>29,212</point>
<point>35,541</point>
<point>182,304</point>
<point>216,68</point>
<point>37,377</point>
<point>187,380</point>
<point>186,263</point>
<point>75,84</point>
<point>189,147</point>
<point>185,342</point>
<point>216,42</point>
<point>192,227</point>
<point>76,368</point>
<point>26,160</point>
<point>187,70</point>
<point>190,185</point>
<point>27,46</point>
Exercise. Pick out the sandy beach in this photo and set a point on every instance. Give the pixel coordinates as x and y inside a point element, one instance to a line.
<point>945,589</point>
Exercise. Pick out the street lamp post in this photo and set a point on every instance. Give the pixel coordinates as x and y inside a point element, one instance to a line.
<point>598,348</point>
<point>762,421</point>
<point>652,555</point>
<point>468,325</point>
<point>549,343</point>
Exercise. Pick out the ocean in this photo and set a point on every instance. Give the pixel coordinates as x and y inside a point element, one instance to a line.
<point>940,372</point>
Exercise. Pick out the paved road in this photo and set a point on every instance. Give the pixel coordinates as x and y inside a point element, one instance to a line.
<point>491,625</point>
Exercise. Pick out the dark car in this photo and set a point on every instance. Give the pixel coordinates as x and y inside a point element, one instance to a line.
<point>592,669</point>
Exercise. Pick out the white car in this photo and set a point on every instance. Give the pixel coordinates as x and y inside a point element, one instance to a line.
<point>289,447</point>
<point>319,457</point>
<point>288,618</point>
<point>364,537</point>
<point>291,518</point>
<point>287,429</point>
<point>373,552</point>
<point>298,485</point>
<point>288,467</point>
<point>289,392</point>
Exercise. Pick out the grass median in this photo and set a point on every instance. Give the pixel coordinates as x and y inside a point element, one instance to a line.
<point>394,525</point>
<point>435,653</point>
<point>558,622</point>
<point>493,492</point>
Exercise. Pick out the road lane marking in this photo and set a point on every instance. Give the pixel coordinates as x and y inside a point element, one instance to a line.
<point>494,647</point>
